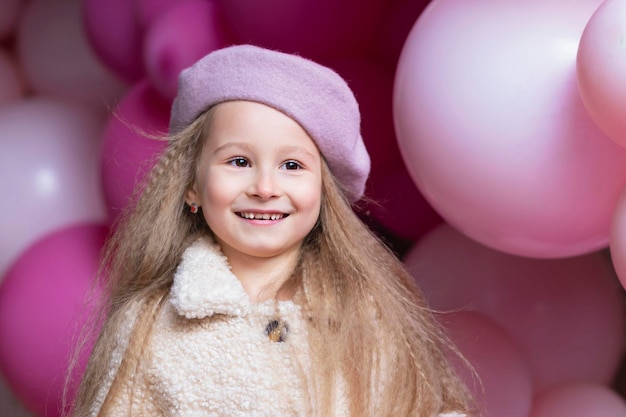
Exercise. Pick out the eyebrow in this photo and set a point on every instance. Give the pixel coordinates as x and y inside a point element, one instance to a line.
<point>287,149</point>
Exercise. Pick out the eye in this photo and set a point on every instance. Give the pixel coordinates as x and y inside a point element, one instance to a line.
<point>292,165</point>
<point>239,162</point>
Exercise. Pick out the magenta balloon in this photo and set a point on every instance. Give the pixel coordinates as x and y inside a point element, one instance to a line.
<point>322,28</point>
<point>579,400</point>
<point>601,69</point>
<point>494,133</point>
<point>504,385</point>
<point>399,206</point>
<point>42,307</point>
<point>179,38</point>
<point>49,176</point>
<point>148,11</point>
<point>566,314</point>
<point>618,238</point>
<point>126,153</point>
<point>115,35</point>
<point>57,58</point>
<point>11,87</point>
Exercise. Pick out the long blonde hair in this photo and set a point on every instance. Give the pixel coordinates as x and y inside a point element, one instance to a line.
<point>351,287</point>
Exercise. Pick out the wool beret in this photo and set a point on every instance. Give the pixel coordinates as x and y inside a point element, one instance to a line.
<point>313,95</point>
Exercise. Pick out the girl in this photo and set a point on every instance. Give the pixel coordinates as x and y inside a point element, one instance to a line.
<point>243,284</point>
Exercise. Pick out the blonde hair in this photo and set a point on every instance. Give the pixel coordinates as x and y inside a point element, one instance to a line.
<point>350,285</point>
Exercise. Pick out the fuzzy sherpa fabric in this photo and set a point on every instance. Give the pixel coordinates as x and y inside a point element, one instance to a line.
<point>210,355</point>
<point>313,95</point>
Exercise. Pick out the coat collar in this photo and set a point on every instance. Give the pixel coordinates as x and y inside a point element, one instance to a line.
<point>204,284</point>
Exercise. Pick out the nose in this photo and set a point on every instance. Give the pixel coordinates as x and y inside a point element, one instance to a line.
<point>265,184</point>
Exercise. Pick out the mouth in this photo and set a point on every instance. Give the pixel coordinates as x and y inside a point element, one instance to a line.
<point>262,216</point>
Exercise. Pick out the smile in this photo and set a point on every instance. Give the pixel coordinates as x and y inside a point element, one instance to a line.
<point>262,216</point>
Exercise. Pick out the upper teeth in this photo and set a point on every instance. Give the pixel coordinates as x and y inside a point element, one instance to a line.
<point>263,216</point>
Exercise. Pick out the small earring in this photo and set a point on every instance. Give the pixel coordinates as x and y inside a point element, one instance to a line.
<point>193,207</point>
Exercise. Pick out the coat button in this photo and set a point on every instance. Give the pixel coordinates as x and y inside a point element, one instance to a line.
<point>277,330</point>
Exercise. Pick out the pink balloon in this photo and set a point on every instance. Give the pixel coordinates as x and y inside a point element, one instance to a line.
<point>57,59</point>
<point>115,35</point>
<point>42,308</point>
<point>126,153</point>
<point>179,38</point>
<point>579,400</point>
<point>11,87</point>
<point>494,133</point>
<point>49,175</point>
<point>148,11</point>
<point>618,238</point>
<point>504,387</point>
<point>323,28</point>
<point>399,206</point>
<point>567,315</point>
<point>601,66</point>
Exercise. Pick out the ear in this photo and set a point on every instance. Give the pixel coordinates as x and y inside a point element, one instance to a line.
<point>192,195</point>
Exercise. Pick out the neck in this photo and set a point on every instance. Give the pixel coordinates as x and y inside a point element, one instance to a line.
<point>262,278</point>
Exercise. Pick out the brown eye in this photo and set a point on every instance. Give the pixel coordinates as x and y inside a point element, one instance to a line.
<point>292,165</point>
<point>239,162</point>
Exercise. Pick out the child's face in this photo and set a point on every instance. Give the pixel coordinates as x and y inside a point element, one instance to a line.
<point>258,181</point>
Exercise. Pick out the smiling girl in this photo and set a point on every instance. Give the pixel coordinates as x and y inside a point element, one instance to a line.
<point>243,284</point>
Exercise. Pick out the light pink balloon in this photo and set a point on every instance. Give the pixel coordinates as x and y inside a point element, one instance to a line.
<point>57,59</point>
<point>8,18</point>
<point>315,29</point>
<point>601,69</point>
<point>618,238</point>
<point>579,400</point>
<point>180,37</point>
<point>49,175</point>
<point>567,315</point>
<point>116,36</point>
<point>127,154</point>
<point>493,130</point>
<point>11,87</point>
<point>503,384</point>
<point>42,309</point>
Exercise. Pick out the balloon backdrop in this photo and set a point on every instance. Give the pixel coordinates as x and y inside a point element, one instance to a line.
<point>579,400</point>
<point>618,238</point>
<point>167,50</point>
<point>42,307</point>
<point>324,28</point>
<point>57,58</point>
<point>115,35</point>
<point>8,18</point>
<point>127,151</point>
<point>10,83</point>
<point>503,384</point>
<point>601,69</point>
<point>567,315</point>
<point>49,151</point>
<point>493,130</point>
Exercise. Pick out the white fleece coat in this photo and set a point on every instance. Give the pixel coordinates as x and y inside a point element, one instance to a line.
<point>210,354</point>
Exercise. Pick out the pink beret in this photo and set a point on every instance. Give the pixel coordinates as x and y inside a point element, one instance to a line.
<point>313,95</point>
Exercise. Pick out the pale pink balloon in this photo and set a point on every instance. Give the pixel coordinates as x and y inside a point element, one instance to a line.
<point>49,174</point>
<point>11,87</point>
<point>579,400</point>
<point>492,128</point>
<point>127,154</point>
<point>9,17</point>
<point>180,37</point>
<point>43,305</point>
<point>567,315</point>
<point>57,59</point>
<point>315,29</point>
<point>503,384</point>
<point>116,36</point>
<point>618,238</point>
<point>601,69</point>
